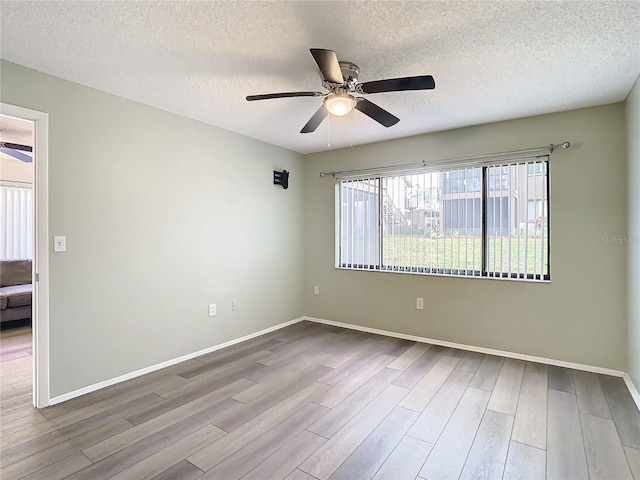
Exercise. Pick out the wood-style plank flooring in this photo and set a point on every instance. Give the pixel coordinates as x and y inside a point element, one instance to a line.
<point>15,368</point>
<point>317,402</point>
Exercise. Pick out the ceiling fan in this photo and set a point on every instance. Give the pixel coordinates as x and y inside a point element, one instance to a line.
<point>341,79</point>
<point>15,150</point>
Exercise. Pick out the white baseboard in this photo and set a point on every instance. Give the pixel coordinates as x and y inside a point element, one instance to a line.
<point>531,358</point>
<point>548,361</point>
<point>632,390</point>
<point>472,348</point>
<point>97,386</point>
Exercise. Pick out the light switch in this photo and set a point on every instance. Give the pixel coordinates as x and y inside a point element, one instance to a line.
<point>59,244</point>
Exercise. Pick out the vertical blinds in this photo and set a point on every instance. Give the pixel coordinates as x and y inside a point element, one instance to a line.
<point>489,221</point>
<point>16,225</point>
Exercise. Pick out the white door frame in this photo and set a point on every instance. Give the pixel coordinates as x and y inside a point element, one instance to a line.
<point>40,312</point>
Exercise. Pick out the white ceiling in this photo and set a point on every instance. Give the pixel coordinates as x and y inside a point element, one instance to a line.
<point>491,60</point>
<point>16,130</point>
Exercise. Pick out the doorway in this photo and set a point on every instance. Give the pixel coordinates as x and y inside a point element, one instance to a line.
<point>16,262</point>
<point>26,347</point>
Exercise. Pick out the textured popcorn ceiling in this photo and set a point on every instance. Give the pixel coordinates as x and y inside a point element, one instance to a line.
<point>491,60</point>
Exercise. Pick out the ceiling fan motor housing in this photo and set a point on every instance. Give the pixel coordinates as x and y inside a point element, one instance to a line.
<point>350,71</point>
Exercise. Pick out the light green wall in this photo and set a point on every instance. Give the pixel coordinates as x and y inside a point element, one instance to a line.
<point>163,215</point>
<point>579,317</point>
<point>633,177</point>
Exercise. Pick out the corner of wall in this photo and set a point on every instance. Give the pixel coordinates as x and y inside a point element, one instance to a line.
<point>633,243</point>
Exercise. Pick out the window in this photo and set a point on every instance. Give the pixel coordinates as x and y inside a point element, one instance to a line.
<point>481,221</point>
<point>16,203</point>
<point>360,240</point>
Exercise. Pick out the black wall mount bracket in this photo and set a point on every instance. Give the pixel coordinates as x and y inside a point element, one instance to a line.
<point>281,178</point>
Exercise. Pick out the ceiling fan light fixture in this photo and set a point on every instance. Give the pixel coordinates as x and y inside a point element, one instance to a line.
<point>339,104</point>
<point>341,81</point>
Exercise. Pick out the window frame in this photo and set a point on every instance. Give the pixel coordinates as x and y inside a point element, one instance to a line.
<point>485,192</point>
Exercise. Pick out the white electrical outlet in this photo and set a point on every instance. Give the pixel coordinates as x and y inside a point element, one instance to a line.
<point>234,305</point>
<point>316,290</point>
<point>420,303</point>
<point>212,309</point>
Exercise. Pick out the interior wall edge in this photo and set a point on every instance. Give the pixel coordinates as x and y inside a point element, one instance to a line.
<point>632,111</point>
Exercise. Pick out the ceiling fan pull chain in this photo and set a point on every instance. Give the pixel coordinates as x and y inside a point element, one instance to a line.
<point>329,132</point>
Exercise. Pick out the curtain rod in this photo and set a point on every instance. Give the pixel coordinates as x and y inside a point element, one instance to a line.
<point>458,160</point>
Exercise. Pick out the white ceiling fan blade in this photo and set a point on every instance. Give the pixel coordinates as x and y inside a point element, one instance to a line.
<point>16,154</point>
